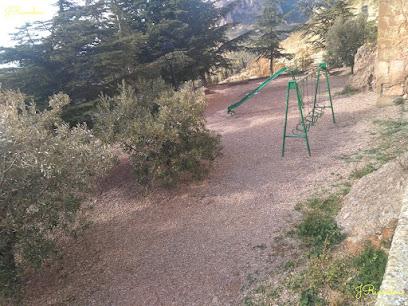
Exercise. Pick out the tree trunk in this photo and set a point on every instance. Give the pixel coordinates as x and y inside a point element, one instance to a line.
<point>352,68</point>
<point>271,65</point>
<point>204,79</point>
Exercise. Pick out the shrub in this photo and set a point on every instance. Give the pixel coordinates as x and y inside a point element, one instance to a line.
<point>316,230</point>
<point>303,59</point>
<point>163,131</point>
<point>45,171</point>
<point>343,40</point>
<point>371,264</point>
<point>348,91</point>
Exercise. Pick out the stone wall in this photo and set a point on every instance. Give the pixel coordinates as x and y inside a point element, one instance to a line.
<point>392,65</point>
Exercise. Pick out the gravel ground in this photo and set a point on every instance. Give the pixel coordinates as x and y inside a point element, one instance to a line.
<point>197,244</point>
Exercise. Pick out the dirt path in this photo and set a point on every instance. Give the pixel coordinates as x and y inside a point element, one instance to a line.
<point>196,245</point>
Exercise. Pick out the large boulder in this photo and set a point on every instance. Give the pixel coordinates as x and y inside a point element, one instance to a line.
<point>374,202</point>
<point>364,68</point>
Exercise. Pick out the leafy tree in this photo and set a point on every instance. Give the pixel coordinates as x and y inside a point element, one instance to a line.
<point>192,27</point>
<point>163,131</point>
<point>46,170</point>
<point>344,38</point>
<point>90,48</point>
<point>322,15</point>
<point>84,53</point>
<point>269,33</point>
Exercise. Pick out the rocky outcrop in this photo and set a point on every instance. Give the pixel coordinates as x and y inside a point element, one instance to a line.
<point>374,202</point>
<point>244,13</point>
<point>364,68</point>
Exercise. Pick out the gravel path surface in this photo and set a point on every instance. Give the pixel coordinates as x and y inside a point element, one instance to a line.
<point>196,244</point>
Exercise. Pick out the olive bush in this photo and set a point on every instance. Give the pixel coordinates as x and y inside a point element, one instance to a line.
<point>163,131</point>
<point>46,169</point>
<point>343,39</point>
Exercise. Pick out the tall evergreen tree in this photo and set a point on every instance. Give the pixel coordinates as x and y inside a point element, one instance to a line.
<point>344,38</point>
<point>269,33</point>
<point>323,14</point>
<point>191,26</point>
<point>90,48</point>
<point>84,53</point>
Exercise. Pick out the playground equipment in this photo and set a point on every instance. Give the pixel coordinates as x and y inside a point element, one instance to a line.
<point>274,76</point>
<point>312,100</point>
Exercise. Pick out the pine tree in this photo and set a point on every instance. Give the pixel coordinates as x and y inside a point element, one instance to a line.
<point>192,27</point>
<point>91,48</point>
<point>85,53</point>
<point>269,33</point>
<point>323,14</point>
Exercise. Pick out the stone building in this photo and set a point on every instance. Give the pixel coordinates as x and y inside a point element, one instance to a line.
<point>392,60</point>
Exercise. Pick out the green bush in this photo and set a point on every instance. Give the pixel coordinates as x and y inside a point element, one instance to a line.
<point>46,168</point>
<point>347,91</point>
<point>316,230</point>
<point>343,40</point>
<point>370,264</point>
<point>163,131</point>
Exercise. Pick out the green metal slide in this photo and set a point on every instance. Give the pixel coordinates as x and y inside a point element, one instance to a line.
<point>274,76</point>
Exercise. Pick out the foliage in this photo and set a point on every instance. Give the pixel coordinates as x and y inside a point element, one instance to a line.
<point>323,14</point>
<point>316,230</point>
<point>303,59</point>
<point>342,275</point>
<point>83,54</point>
<point>359,173</point>
<point>310,297</point>
<point>46,170</point>
<point>389,143</point>
<point>269,33</point>
<point>164,131</point>
<point>344,38</point>
<point>323,277</point>
<point>318,227</point>
<point>90,48</point>
<point>371,265</point>
<point>348,91</point>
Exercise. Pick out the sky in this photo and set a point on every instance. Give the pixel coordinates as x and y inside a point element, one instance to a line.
<point>15,13</point>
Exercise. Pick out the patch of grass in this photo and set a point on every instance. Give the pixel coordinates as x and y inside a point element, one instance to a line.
<point>251,278</point>
<point>260,247</point>
<point>318,225</point>
<point>346,188</point>
<point>260,289</point>
<point>289,265</point>
<point>325,273</point>
<point>278,239</point>
<point>328,206</point>
<point>348,91</point>
<point>386,243</point>
<point>370,265</point>
<point>274,292</point>
<point>392,141</point>
<point>359,173</point>
<point>316,230</point>
<point>399,101</point>
<point>322,274</point>
<point>299,206</point>
<point>247,301</point>
<point>310,297</point>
